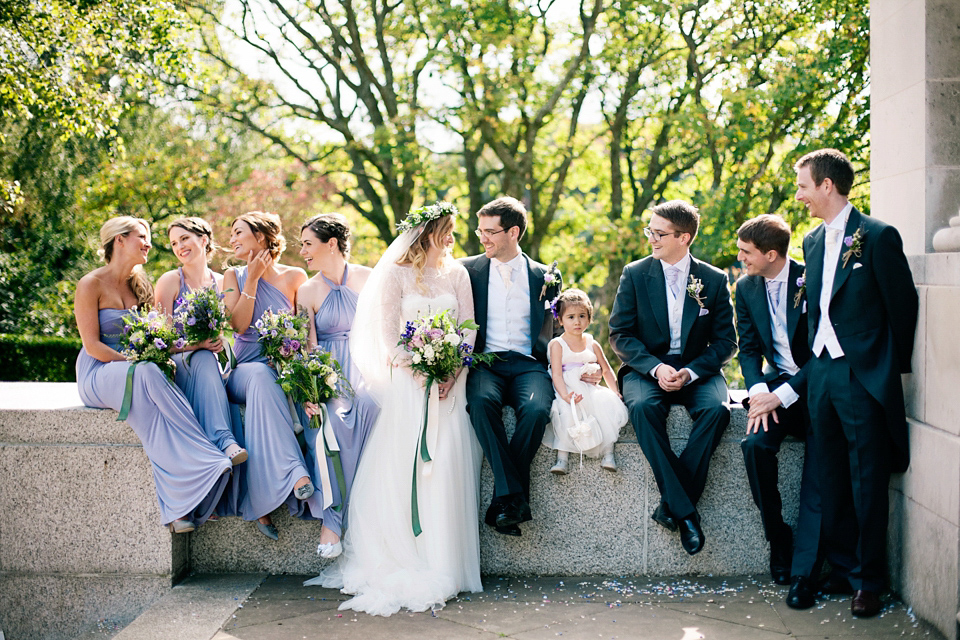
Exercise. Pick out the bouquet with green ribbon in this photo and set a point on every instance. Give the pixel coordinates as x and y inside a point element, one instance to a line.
<point>146,338</point>
<point>202,315</point>
<point>317,377</point>
<point>437,350</point>
<point>282,335</point>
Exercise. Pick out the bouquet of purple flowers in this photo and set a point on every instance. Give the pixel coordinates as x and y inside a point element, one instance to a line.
<point>282,335</point>
<point>202,315</point>
<point>313,377</point>
<point>148,338</point>
<point>437,350</point>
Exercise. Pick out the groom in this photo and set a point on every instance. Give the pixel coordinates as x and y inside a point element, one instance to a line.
<point>511,296</point>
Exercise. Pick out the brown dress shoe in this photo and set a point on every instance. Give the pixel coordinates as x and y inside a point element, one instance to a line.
<point>866,604</point>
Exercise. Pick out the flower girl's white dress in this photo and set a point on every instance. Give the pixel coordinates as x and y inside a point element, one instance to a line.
<point>598,401</point>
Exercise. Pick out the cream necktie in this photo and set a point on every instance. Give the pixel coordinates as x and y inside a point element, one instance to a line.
<point>673,274</point>
<point>773,290</point>
<point>506,273</point>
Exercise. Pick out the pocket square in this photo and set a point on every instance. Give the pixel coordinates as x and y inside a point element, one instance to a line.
<point>803,309</point>
<point>546,304</point>
<point>703,311</point>
<point>857,265</point>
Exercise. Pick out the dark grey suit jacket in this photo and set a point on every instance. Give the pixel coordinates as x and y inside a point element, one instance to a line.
<point>755,330</point>
<point>873,310</point>
<point>541,320</point>
<point>639,322</point>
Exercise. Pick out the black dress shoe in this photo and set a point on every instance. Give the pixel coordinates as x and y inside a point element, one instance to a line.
<point>512,530</point>
<point>865,604</point>
<point>836,585</point>
<point>691,535</point>
<point>512,513</point>
<point>495,509</point>
<point>662,516</point>
<point>801,595</point>
<point>781,555</point>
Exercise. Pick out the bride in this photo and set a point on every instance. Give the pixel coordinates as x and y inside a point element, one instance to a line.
<point>384,565</point>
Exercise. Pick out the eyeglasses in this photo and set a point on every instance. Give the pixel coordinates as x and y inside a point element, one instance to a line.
<point>483,232</point>
<point>658,235</point>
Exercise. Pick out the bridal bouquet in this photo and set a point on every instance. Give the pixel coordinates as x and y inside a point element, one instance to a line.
<point>437,350</point>
<point>282,335</point>
<point>148,338</point>
<point>202,315</point>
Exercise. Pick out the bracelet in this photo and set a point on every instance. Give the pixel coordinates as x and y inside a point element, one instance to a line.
<point>244,293</point>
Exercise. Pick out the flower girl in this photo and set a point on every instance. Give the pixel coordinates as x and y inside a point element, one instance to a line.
<point>585,418</point>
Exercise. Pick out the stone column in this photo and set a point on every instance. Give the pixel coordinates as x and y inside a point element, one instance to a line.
<point>915,185</point>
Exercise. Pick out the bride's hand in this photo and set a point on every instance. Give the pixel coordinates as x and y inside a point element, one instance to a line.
<point>445,386</point>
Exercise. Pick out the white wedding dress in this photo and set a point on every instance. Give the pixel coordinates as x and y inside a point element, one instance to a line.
<point>384,565</point>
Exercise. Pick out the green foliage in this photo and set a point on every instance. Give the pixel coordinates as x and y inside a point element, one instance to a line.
<point>42,358</point>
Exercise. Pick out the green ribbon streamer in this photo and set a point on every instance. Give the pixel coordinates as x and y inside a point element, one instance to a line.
<point>127,394</point>
<point>423,454</point>
<point>333,455</point>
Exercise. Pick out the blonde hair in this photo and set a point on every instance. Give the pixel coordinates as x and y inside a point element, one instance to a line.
<point>416,255</point>
<point>269,225</point>
<point>138,280</point>
<point>198,227</point>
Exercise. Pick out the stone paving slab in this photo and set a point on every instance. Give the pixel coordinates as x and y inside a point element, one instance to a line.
<point>686,608</point>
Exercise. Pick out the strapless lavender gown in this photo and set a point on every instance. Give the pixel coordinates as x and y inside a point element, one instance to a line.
<point>189,472</point>
<point>352,419</point>
<point>275,462</point>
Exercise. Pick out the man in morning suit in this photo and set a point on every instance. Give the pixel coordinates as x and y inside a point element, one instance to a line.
<point>672,327</point>
<point>772,325</point>
<point>862,319</point>
<point>512,308</point>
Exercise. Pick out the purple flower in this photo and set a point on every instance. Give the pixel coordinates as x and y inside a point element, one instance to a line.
<point>212,324</point>
<point>435,334</point>
<point>800,282</point>
<point>848,241</point>
<point>178,302</point>
<point>468,361</point>
<point>159,344</point>
<point>295,344</point>
<point>180,343</point>
<point>288,324</point>
<point>191,321</point>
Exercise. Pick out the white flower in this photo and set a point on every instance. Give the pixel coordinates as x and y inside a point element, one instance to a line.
<point>331,379</point>
<point>291,333</point>
<point>429,353</point>
<point>416,358</point>
<point>453,339</point>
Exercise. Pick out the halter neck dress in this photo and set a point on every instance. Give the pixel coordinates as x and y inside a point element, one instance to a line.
<point>353,418</point>
<point>199,377</point>
<point>189,472</point>
<point>275,462</point>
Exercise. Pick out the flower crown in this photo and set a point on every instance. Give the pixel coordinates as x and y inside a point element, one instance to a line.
<point>425,214</point>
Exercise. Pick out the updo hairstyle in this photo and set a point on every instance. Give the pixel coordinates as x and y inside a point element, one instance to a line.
<point>574,298</point>
<point>198,227</point>
<point>267,224</point>
<point>330,225</point>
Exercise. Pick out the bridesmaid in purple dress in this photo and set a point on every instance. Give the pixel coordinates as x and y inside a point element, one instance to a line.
<point>330,300</point>
<point>198,375</point>
<point>189,472</point>
<point>276,471</point>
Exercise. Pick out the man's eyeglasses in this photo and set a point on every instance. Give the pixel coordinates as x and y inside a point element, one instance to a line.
<point>483,232</point>
<point>657,235</point>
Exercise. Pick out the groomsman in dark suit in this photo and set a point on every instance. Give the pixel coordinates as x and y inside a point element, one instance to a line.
<point>511,296</point>
<point>772,325</point>
<point>672,327</point>
<point>862,319</point>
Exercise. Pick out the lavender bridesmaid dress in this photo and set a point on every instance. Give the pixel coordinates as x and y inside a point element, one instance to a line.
<point>275,461</point>
<point>352,419</point>
<point>189,472</point>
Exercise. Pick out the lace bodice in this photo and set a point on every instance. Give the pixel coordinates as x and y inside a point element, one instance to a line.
<point>405,299</point>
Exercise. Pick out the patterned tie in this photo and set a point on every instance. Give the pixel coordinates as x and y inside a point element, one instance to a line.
<point>773,290</point>
<point>506,273</point>
<point>673,275</point>
<point>833,238</point>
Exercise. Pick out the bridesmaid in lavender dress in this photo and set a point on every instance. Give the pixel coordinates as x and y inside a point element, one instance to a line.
<point>330,301</point>
<point>276,471</point>
<point>198,375</point>
<point>189,472</point>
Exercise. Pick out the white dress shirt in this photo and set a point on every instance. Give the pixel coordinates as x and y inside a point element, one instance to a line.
<point>675,308</point>
<point>508,308</point>
<point>783,355</point>
<point>826,336</point>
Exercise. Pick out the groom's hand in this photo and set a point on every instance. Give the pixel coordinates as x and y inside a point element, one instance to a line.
<point>668,378</point>
<point>592,378</point>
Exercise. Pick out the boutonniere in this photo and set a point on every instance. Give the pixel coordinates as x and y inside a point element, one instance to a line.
<point>854,246</point>
<point>549,278</point>
<point>802,289</point>
<point>694,289</point>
